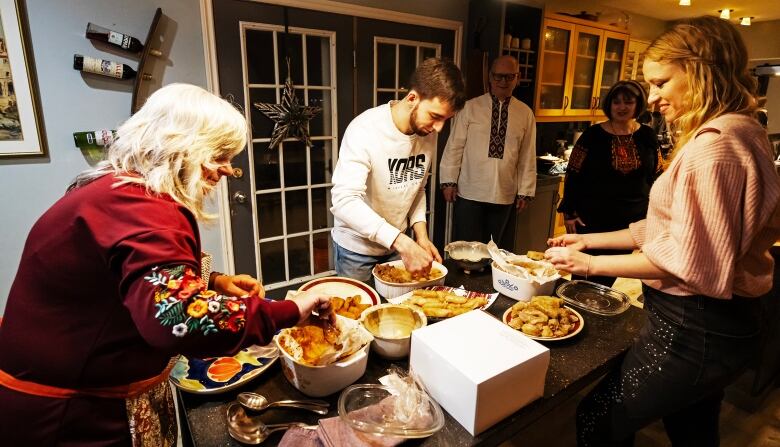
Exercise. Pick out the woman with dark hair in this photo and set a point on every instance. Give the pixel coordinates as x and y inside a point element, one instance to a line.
<point>704,260</point>
<point>611,169</point>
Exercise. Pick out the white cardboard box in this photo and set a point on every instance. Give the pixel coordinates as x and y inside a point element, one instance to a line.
<point>478,369</point>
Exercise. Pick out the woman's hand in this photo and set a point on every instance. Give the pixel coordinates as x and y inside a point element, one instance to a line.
<point>571,224</point>
<point>238,285</point>
<point>310,301</point>
<point>569,259</point>
<point>572,241</point>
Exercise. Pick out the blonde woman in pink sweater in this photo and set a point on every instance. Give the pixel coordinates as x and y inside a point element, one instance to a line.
<point>704,260</point>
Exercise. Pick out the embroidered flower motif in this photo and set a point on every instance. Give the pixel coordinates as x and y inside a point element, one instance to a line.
<point>180,330</point>
<point>198,308</point>
<point>183,302</point>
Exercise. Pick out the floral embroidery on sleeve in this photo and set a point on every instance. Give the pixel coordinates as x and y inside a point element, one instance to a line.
<point>184,302</point>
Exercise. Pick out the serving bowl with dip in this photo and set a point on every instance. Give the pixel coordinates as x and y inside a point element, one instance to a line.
<point>392,326</point>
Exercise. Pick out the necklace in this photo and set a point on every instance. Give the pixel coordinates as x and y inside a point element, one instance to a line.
<point>625,158</point>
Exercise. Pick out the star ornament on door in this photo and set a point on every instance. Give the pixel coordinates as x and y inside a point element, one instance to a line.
<point>291,118</point>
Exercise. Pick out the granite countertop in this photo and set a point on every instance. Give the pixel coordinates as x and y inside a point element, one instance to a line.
<point>574,364</point>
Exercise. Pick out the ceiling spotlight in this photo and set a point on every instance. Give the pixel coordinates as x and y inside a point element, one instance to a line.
<point>725,13</point>
<point>745,21</point>
<point>685,2</point>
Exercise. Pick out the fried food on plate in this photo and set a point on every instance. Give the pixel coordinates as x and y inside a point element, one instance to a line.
<point>535,255</point>
<point>350,307</point>
<point>543,316</point>
<point>441,304</point>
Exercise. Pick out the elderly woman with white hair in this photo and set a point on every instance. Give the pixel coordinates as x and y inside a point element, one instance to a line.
<point>108,289</point>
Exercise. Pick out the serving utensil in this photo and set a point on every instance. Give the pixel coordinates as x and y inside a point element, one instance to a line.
<point>251,430</point>
<point>258,402</point>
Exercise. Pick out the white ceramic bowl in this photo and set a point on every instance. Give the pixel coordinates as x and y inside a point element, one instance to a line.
<point>392,290</point>
<point>469,255</point>
<point>518,288</point>
<point>318,381</point>
<point>392,326</point>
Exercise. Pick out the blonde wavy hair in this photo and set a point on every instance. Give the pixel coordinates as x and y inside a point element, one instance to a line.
<point>714,58</point>
<point>181,130</point>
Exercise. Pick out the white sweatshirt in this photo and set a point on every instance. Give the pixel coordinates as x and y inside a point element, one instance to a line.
<point>465,160</point>
<point>379,182</point>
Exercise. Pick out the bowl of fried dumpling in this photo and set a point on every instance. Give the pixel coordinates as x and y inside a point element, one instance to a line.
<point>320,358</point>
<point>391,279</point>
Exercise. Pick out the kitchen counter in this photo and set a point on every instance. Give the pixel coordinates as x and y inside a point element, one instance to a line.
<point>574,364</point>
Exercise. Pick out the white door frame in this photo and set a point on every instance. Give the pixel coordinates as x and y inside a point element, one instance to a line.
<point>212,76</point>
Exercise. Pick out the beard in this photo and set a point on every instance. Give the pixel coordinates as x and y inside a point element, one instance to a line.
<point>413,124</point>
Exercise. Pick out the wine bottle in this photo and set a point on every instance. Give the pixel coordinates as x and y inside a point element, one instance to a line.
<point>102,67</point>
<point>101,138</point>
<point>123,41</point>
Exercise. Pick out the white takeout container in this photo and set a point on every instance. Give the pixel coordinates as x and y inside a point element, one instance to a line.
<point>318,381</point>
<point>518,288</point>
<point>392,290</point>
<point>478,369</point>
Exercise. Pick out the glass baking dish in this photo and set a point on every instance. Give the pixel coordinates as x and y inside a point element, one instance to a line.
<point>369,408</point>
<point>594,297</point>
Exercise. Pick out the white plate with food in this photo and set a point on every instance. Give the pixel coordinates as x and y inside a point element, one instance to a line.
<point>544,318</point>
<point>342,287</point>
<point>444,301</point>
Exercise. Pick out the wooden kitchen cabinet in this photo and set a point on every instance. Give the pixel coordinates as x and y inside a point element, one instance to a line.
<point>578,62</point>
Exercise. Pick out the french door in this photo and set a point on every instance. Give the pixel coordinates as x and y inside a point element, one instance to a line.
<point>279,205</point>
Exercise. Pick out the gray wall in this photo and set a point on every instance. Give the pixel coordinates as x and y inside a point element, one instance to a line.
<point>71,103</point>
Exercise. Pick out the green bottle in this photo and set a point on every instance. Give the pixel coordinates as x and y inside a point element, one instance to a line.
<point>101,138</point>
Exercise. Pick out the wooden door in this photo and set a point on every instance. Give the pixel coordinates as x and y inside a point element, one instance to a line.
<point>613,59</point>
<point>583,78</point>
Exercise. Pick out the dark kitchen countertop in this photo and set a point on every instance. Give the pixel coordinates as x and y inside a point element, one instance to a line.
<point>574,364</point>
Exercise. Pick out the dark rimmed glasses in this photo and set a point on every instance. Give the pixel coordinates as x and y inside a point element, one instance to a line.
<point>504,76</point>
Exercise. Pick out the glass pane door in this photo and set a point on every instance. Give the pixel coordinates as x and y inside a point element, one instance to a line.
<point>552,81</point>
<point>584,74</point>
<point>291,181</point>
<point>614,50</point>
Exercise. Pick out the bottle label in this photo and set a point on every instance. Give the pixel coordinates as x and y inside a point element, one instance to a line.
<point>116,38</point>
<point>104,137</point>
<point>104,67</point>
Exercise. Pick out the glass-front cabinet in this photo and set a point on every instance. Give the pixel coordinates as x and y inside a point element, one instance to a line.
<point>615,46</point>
<point>551,96</point>
<point>578,65</point>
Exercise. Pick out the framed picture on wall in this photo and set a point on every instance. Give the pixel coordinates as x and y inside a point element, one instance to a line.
<point>21,122</point>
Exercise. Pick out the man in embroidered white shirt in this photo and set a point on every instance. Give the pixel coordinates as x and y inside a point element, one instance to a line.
<point>379,180</point>
<point>489,164</point>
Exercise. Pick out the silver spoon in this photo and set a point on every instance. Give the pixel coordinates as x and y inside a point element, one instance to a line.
<point>251,430</point>
<point>257,402</point>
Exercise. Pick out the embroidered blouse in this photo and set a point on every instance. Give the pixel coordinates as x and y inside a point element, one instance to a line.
<point>609,176</point>
<point>491,151</point>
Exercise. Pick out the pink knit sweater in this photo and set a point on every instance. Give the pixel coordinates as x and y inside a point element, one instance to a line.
<point>714,214</point>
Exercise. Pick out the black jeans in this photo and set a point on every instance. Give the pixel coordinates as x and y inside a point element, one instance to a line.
<point>479,221</point>
<point>688,351</point>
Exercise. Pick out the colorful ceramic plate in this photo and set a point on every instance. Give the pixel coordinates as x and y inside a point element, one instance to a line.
<point>219,374</point>
<point>578,326</point>
<point>343,288</point>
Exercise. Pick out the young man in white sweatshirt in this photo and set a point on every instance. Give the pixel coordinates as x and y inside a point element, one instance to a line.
<point>379,179</point>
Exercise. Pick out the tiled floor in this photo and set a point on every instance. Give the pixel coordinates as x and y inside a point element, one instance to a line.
<point>739,427</point>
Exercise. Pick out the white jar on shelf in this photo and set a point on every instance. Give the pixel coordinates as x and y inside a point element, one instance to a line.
<point>507,40</point>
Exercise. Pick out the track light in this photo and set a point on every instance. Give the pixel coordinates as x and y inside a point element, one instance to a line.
<point>685,2</point>
<point>725,13</point>
<point>745,21</point>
